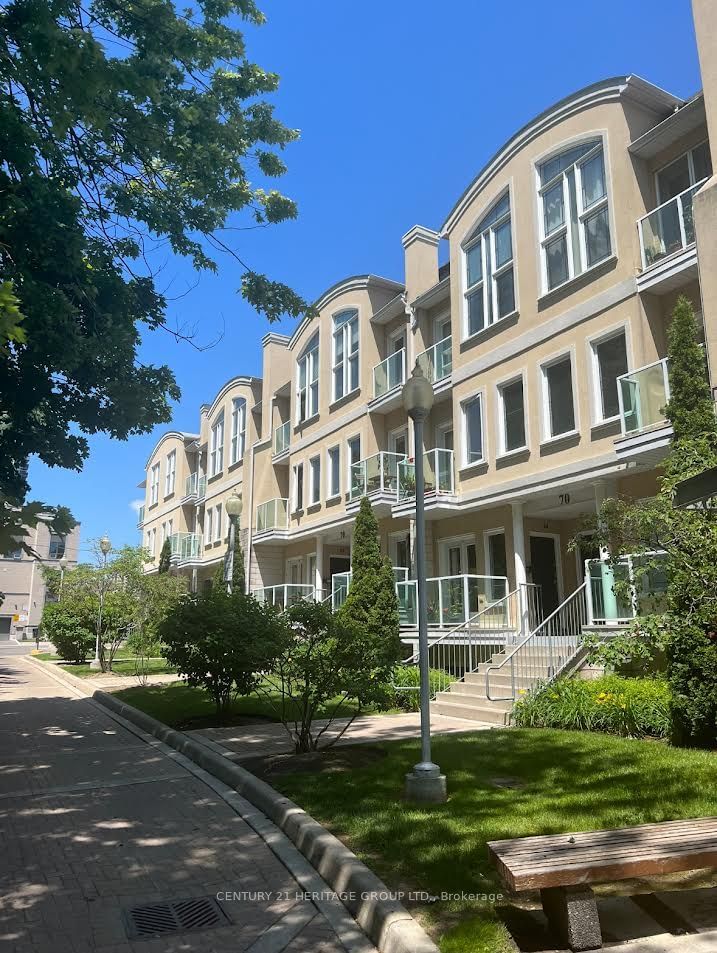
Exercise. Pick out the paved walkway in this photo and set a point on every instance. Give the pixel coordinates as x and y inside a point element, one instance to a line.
<point>95,819</point>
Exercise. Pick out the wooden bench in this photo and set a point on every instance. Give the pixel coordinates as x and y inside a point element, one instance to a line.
<point>561,866</point>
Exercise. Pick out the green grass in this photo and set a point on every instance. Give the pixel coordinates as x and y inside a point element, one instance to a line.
<point>176,704</point>
<point>121,666</point>
<point>121,653</point>
<point>569,781</point>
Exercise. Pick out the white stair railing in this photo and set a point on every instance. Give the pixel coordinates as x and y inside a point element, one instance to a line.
<point>543,654</point>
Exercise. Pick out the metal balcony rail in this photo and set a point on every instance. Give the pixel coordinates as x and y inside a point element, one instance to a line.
<point>201,488</point>
<point>190,484</point>
<point>185,546</point>
<point>274,514</point>
<point>281,437</point>
<point>390,373</point>
<point>642,396</point>
<point>669,228</point>
<point>375,474</point>
<point>437,362</point>
<point>618,593</point>
<point>543,654</point>
<point>438,474</point>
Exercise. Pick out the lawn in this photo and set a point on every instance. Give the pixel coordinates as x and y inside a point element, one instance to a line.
<point>558,781</point>
<point>122,665</point>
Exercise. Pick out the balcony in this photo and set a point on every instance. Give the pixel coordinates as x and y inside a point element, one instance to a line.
<point>635,586</point>
<point>185,547</point>
<point>452,600</point>
<point>437,474</point>
<point>341,583</point>
<point>377,477</point>
<point>437,362</point>
<point>642,395</point>
<point>282,435</point>
<point>388,378</point>
<point>667,244</point>
<point>140,516</point>
<point>272,520</point>
<point>281,597</point>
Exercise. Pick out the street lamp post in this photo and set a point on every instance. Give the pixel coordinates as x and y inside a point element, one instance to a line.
<point>425,782</point>
<point>105,547</point>
<point>234,507</point>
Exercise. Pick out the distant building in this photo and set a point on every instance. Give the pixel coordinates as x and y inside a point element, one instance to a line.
<point>23,584</point>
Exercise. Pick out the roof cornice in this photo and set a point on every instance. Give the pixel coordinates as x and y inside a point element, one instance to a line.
<point>177,434</point>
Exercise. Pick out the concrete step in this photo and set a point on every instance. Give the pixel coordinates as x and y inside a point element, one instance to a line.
<point>525,668</point>
<point>474,683</point>
<point>539,652</point>
<point>476,701</point>
<point>488,713</point>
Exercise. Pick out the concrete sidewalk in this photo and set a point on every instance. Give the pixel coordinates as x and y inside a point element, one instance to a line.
<point>94,820</point>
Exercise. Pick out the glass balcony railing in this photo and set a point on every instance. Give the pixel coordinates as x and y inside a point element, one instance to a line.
<point>284,596</point>
<point>389,373</point>
<point>437,474</point>
<point>669,228</point>
<point>341,583</point>
<point>201,487</point>
<point>281,437</point>
<point>274,514</point>
<point>140,516</point>
<point>643,395</point>
<point>636,585</point>
<point>190,484</point>
<point>437,362</point>
<point>185,545</point>
<point>376,474</point>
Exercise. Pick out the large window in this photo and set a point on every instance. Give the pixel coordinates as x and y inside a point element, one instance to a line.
<point>575,213</point>
<point>473,429</point>
<point>307,391</point>
<point>170,473</point>
<point>345,353</point>
<point>217,522</point>
<point>208,526</point>
<point>353,450</point>
<point>333,485</point>
<point>609,362</point>
<point>298,487</point>
<point>489,280</point>
<point>238,429</point>
<point>154,485</point>
<point>512,416</point>
<point>688,170</point>
<point>216,448</point>
<point>315,473</point>
<point>57,546</point>
<point>558,397</point>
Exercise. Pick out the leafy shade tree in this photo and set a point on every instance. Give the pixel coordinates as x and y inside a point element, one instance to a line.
<point>125,128</point>
<point>221,642</point>
<point>165,557</point>
<point>371,599</point>
<point>70,629</point>
<point>17,521</point>
<point>332,665</point>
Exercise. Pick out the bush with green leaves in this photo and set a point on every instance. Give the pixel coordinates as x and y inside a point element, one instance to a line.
<point>634,707</point>
<point>403,689</point>
<point>70,630</point>
<point>638,650</point>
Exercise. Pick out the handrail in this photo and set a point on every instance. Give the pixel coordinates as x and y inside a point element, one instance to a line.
<point>675,198</point>
<point>544,625</point>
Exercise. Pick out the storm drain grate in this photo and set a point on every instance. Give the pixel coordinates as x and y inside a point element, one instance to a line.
<point>175,916</point>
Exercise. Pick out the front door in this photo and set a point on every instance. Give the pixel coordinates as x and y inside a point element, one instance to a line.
<point>544,571</point>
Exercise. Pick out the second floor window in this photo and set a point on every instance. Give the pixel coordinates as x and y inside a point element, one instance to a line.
<point>208,526</point>
<point>216,448</point>
<point>489,279</point>
<point>154,485</point>
<point>512,416</point>
<point>298,487</point>
<point>307,390</point>
<point>609,363</point>
<point>473,429</point>
<point>57,546</point>
<point>558,401</point>
<point>238,429</point>
<point>575,224</point>
<point>334,477</point>
<point>170,473</point>
<point>345,353</point>
<point>218,522</point>
<point>315,468</point>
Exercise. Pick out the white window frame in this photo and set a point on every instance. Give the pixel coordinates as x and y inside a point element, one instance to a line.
<point>456,542</point>
<point>487,533</point>
<point>402,536</point>
<point>238,438</point>
<point>154,485</point>
<point>490,292</point>
<point>349,461</point>
<point>218,523</point>
<point>342,332</point>
<point>399,432</point>
<point>500,387</point>
<point>596,390</point>
<point>170,474</point>
<point>170,527</point>
<point>479,397</point>
<point>314,480</point>
<point>216,446</point>
<point>298,505</point>
<point>690,168</point>
<point>309,362</point>
<point>545,429</point>
<point>208,525</point>
<point>584,214</point>
<point>333,468</point>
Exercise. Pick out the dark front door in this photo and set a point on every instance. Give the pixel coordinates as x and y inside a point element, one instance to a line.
<point>544,571</point>
<point>339,564</point>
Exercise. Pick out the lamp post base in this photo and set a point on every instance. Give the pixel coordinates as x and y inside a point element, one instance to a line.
<point>95,663</point>
<point>426,785</point>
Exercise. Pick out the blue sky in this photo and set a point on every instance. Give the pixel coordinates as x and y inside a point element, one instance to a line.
<point>399,103</point>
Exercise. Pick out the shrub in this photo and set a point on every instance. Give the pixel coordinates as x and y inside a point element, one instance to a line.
<point>69,631</point>
<point>634,707</point>
<point>403,690</point>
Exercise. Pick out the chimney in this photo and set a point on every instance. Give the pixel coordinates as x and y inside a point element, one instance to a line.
<point>420,247</point>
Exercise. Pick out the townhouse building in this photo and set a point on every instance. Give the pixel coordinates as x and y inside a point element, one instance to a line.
<point>544,334</point>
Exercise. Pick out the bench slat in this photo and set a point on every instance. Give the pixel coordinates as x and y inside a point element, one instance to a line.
<point>566,851</point>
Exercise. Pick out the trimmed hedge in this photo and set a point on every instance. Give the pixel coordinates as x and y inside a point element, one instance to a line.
<point>634,707</point>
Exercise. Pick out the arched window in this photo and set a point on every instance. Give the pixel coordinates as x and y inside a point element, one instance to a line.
<point>575,220</point>
<point>216,447</point>
<point>307,381</point>
<point>489,278</point>
<point>345,353</point>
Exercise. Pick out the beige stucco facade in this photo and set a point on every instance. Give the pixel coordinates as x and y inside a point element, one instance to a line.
<point>554,295</point>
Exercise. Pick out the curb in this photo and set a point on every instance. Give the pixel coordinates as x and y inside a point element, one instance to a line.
<point>384,920</point>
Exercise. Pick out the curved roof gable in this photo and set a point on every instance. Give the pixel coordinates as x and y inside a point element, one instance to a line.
<point>232,382</point>
<point>178,435</point>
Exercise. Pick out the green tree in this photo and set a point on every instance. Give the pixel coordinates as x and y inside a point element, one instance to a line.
<point>238,578</point>
<point>125,128</point>
<point>70,631</point>
<point>371,599</point>
<point>165,557</point>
